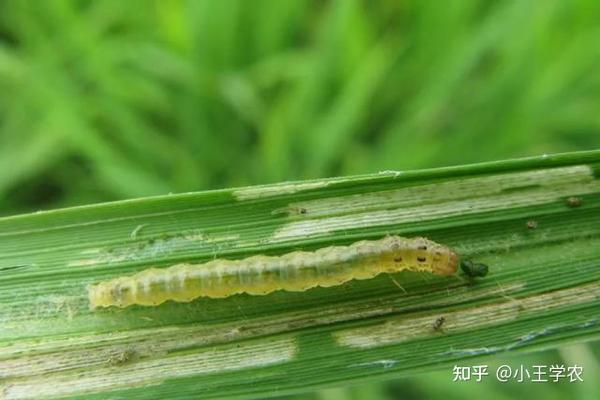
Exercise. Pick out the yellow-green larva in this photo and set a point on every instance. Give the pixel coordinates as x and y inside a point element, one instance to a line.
<point>260,275</point>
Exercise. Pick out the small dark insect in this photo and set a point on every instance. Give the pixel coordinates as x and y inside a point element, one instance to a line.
<point>531,224</point>
<point>474,270</point>
<point>437,325</point>
<point>574,202</point>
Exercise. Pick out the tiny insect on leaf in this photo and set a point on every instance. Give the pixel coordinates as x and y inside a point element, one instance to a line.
<point>574,202</point>
<point>531,224</point>
<point>437,325</point>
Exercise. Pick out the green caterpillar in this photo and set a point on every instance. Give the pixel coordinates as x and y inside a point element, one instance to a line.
<point>261,275</point>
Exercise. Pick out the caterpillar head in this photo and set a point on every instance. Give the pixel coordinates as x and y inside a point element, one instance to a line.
<point>421,254</point>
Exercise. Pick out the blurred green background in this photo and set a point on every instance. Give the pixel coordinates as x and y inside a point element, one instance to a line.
<point>107,100</point>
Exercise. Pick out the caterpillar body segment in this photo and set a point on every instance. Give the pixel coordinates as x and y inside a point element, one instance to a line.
<point>261,275</point>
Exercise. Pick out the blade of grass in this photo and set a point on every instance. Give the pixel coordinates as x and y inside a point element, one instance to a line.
<point>542,291</point>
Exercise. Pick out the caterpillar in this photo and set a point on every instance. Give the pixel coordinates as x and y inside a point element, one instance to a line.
<point>261,275</point>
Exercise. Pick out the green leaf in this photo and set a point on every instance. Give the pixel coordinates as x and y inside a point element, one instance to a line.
<point>535,222</point>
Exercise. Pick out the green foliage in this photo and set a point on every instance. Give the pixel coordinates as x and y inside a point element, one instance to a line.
<point>108,100</point>
<point>105,100</point>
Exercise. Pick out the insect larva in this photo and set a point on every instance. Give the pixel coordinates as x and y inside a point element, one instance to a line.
<point>260,275</point>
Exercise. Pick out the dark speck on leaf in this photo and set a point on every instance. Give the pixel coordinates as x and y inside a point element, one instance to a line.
<point>474,270</point>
